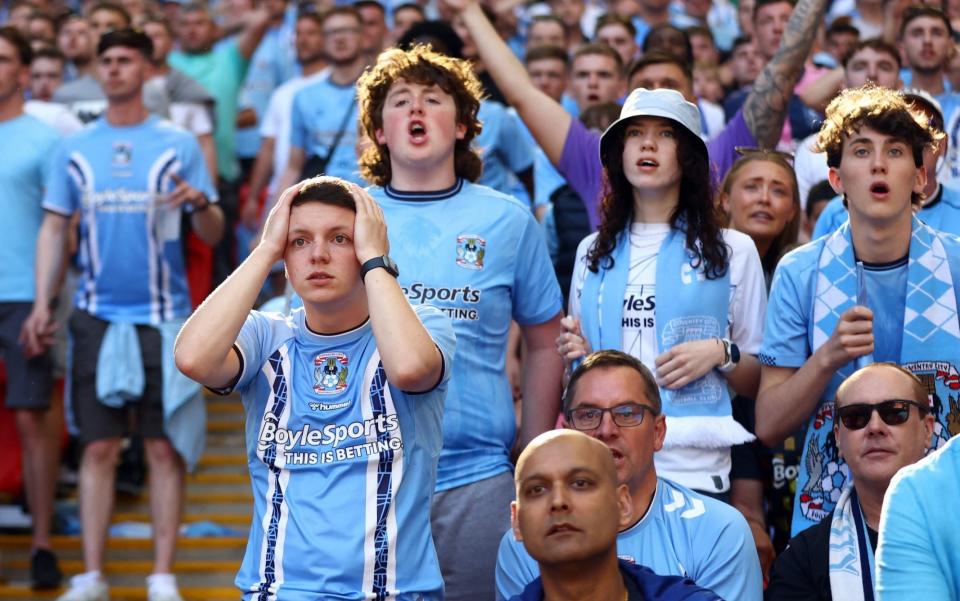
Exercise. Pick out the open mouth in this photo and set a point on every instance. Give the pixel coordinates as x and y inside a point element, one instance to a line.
<point>647,164</point>
<point>762,216</point>
<point>879,189</point>
<point>617,455</point>
<point>417,130</point>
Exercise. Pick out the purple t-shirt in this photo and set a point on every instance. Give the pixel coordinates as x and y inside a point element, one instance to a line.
<point>580,161</point>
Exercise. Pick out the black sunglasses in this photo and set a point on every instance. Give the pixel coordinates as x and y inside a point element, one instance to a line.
<point>893,413</point>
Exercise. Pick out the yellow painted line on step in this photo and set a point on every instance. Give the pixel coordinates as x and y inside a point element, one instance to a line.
<point>128,593</point>
<point>73,542</point>
<point>230,407</point>
<point>220,518</point>
<point>231,478</point>
<point>223,459</point>
<point>135,566</point>
<point>225,426</point>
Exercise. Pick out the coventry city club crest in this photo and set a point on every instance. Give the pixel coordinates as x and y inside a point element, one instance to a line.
<point>330,373</point>
<point>470,251</point>
<point>122,153</point>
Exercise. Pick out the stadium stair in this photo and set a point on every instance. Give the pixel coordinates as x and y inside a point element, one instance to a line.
<point>217,492</point>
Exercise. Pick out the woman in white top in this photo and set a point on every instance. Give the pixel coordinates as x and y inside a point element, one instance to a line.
<point>664,282</point>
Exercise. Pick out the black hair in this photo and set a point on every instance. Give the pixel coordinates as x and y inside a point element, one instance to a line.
<point>924,10</point>
<point>821,191</point>
<point>654,36</point>
<point>877,45</point>
<point>609,359</point>
<point>127,38</point>
<point>16,39</point>
<point>371,4</point>
<point>539,53</point>
<point>657,57</point>
<point>438,34</point>
<point>327,190</point>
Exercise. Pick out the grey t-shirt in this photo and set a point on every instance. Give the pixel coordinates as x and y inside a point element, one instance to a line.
<point>85,98</point>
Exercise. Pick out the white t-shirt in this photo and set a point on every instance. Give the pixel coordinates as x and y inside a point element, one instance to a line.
<point>55,115</point>
<point>276,122</point>
<point>811,168</point>
<point>192,116</point>
<point>691,467</point>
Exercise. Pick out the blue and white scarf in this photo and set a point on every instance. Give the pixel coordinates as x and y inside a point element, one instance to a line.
<point>930,349</point>
<point>852,566</point>
<point>689,307</point>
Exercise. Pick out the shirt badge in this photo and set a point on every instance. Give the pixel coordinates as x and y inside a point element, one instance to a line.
<point>330,373</point>
<point>122,153</point>
<point>471,249</point>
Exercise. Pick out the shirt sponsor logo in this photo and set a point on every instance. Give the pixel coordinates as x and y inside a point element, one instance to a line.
<point>327,435</point>
<point>471,249</point>
<point>329,376</point>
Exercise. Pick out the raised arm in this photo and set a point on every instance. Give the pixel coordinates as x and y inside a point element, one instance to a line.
<point>766,106</point>
<point>543,116</point>
<point>255,25</point>
<point>204,348</point>
<point>789,396</point>
<point>410,357</point>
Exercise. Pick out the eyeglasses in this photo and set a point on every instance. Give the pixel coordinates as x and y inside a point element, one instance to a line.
<point>627,415</point>
<point>749,152</point>
<point>893,413</point>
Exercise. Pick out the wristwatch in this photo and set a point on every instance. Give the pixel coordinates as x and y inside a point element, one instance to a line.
<point>377,262</point>
<point>731,356</point>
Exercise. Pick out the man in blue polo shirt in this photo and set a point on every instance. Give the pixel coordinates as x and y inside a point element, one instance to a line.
<point>343,402</point>
<point>323,118</point>
<point>131,176</point>
<point>668,528</point>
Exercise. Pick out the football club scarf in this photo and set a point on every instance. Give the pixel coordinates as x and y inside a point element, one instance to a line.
<point>852,566</point>
<point>930,348</point>
<point>689,307</point>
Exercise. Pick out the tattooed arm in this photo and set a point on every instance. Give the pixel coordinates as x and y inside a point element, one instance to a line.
<point>766,106</point>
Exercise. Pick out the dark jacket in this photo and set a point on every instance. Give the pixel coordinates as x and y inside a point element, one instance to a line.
<point>802,571</point>
<point>642,585</point>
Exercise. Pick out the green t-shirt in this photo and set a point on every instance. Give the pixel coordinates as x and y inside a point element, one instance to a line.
<point>221,72</point>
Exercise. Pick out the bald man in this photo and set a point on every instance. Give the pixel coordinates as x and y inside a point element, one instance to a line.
<point>568,511</point>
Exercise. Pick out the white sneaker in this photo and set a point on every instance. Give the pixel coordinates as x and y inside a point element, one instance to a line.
<point>162,587</point>
<point>86,587</point>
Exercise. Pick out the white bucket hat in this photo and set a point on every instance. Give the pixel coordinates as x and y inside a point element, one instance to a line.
<point>669,104</point>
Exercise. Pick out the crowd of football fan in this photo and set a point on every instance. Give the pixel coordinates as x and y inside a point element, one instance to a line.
<point>564,299</point>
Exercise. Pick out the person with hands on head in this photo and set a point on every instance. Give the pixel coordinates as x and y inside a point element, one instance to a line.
<point>879,288</point>
<point>343,400</point>
<point>664,282</point>
<point>132,177</point>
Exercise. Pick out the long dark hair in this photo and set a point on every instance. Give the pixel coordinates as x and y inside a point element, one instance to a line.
<point>695,210</point>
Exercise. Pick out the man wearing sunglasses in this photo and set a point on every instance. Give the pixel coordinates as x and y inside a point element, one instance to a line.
<point>883,424</point>
<point>672,530</point>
